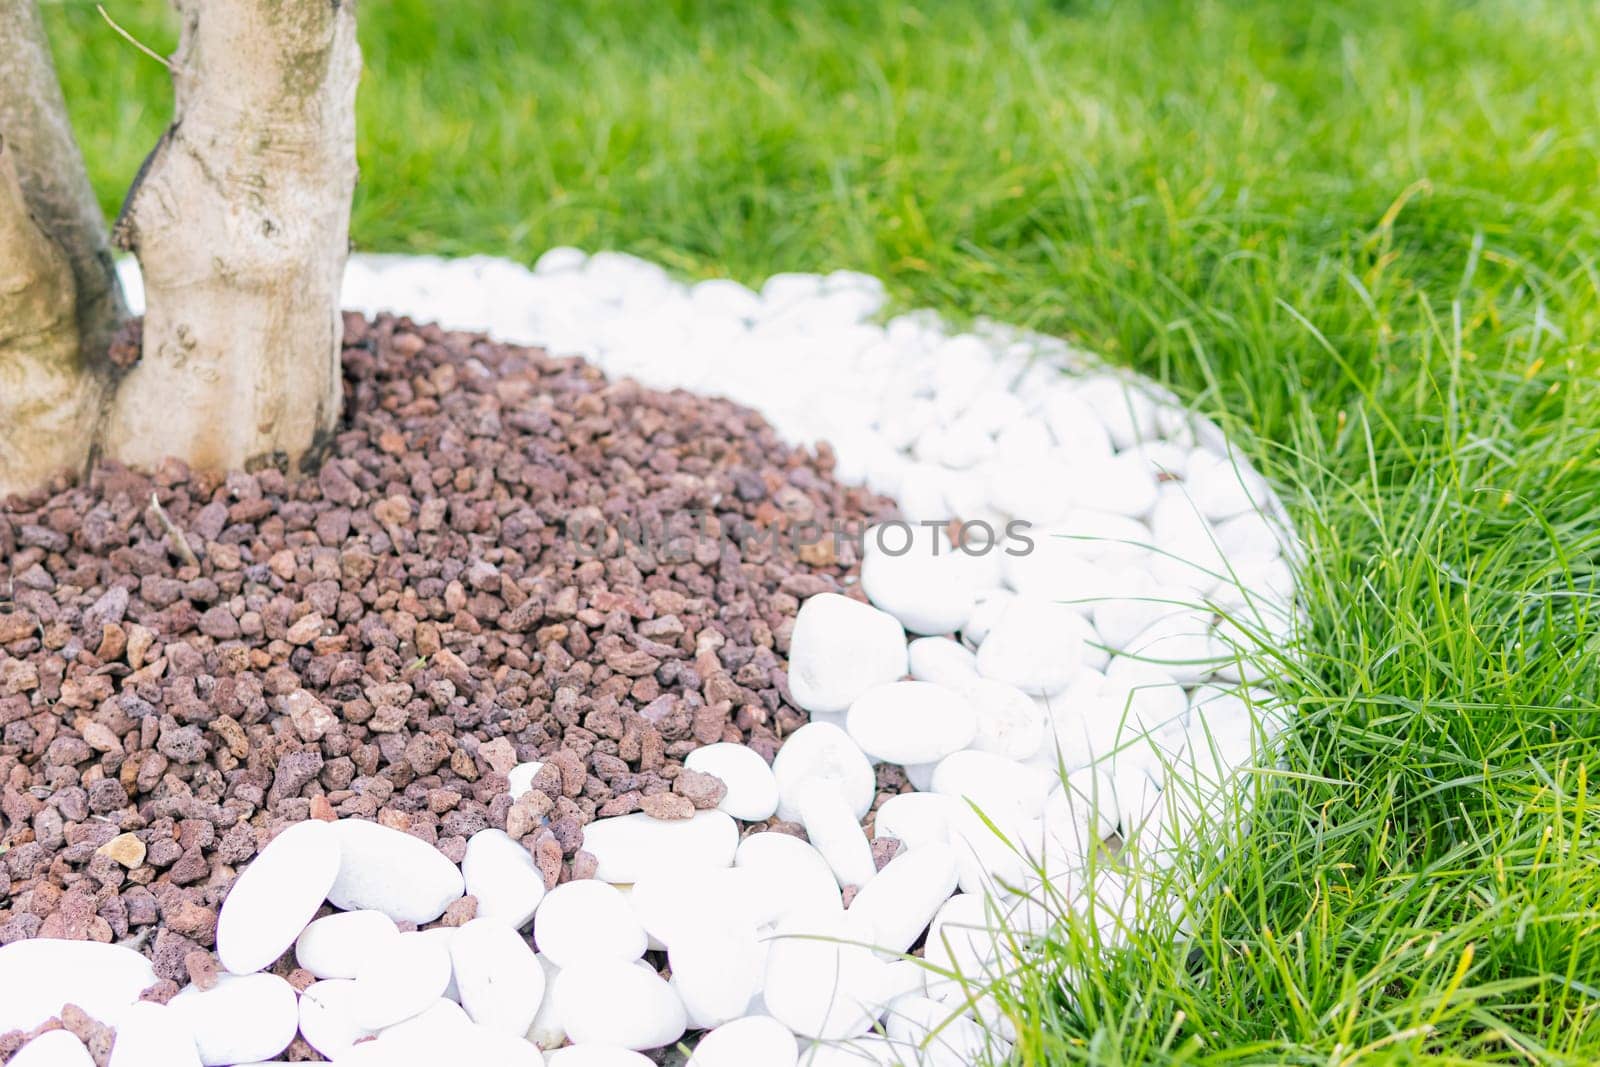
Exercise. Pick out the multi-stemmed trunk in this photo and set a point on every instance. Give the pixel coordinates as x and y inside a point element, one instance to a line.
<point>239,219</point>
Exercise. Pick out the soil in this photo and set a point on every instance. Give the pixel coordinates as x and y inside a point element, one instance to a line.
<point>188,662</point>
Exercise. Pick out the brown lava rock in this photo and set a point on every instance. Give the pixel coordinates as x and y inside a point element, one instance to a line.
<point>451,594</point>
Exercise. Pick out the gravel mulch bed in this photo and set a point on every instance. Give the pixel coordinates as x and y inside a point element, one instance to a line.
<point>188,662</point>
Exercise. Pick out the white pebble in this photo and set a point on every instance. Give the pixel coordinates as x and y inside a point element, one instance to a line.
<point>914,819</point>
<point>274,898</point>
<point>628,847</point>
<point>752,787</point>
<point>823,980</point>
<point>670,904</point>
<point>54,1048</point>
<point>519,779</point>
<point>597,1056</point>
<point>152,1035</point>
<point>243,1017</point>
<point>387,870</point>
<point>942,661</point>
<point>999,787</point>
<point>918,578</point>
<point>587,920</point>
<point>754,1041</point>
<point>834,831</point>
<point>1035,645</point>
<point>40,975</point>
<point>1009,723</point>
<point>500,872</point>
<point>839,649</point>
<point>717,969</point>
<point>400,979</point>
<point>618,1004</point>
<point>822,752</point>
<point>793,874</point>
<point>328,1017</point>
<point>498,978</point>
<point>911,722</point>
<point>334,945</point>
<point>902,898</point>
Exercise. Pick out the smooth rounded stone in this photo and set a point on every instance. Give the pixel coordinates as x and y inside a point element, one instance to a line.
<point>941,660</point>
<point>597,1056</point>
<point>1249,536</point>
<point>334,945</point>
<point>673,904</point>
<point>1122,485</point>
<point>54,1048</point>
<point>990,850</point>
<point>902,898</point>
<point>999,787</point>
<point>629,847</point>
<point>839,649</point>
<point>920,775</point>
<point>872,1051</point>
<point>243,1017</point>
<point>443,1034</point>
<point>943,1037</point>
<point>912,722</point>
<point>748,1042</point>
<point>1035,645</point>
<point>835,832</point>
<point>1010,724</point>
<point>587,920</point>
<point>1037,489</point>
<point>152,1035</point>
<point>823,980</point>
<point>1082,811</point>
<point>986,611</point>
<point>1139,798</point>
<point>1143,696</point>
<point>1119,619</point>
<point>328,1016</point>
<point>914,819</point>
<point>519,779</point>
<point>498,978</point>
<point>607,1002</point>
<point>822,752</point>
<point>400,979</point>
<point>916,575</point>
<point>387,870</point>
<point>274,898</point>
<point>1224,486</point>
<point>40,975</point>
<point>793,875</point>
<point>1075,426</point>
<point>501,874</point>
<point>1125,410</point>
<point>964,940</point>
<point>547,1031</point>
<point>559,260</point>
<point>717,970</point>
<point>1182,644</point>
<point>752,787</point>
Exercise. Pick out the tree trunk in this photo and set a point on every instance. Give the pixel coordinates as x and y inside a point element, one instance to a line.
<point>48,401</point>
<point>33,120</point>
<point>240,220</point>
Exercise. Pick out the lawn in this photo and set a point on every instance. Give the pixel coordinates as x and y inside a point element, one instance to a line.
<point>1361,233</point>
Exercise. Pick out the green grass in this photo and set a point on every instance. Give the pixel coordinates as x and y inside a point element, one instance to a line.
<point>1363,233</point>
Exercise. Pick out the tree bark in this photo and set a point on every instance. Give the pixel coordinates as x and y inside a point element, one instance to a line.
<point>49,167</point>
<point>48,399</point>
<point>240,220</point>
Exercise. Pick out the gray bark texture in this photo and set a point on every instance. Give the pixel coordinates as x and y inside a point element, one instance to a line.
<point>240,220</point>
<point>33,120</point>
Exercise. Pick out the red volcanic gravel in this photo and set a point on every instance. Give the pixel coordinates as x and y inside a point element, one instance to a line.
<point>188,662</point>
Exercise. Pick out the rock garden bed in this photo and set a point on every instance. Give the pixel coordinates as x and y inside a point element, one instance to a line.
<point>563,717</point>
